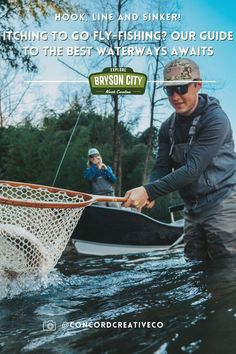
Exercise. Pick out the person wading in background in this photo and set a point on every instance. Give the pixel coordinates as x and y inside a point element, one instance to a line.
<point>196,157</point>
<point>100,176</point>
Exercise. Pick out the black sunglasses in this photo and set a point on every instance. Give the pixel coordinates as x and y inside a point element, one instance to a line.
<point>180,89</point>
<point>92,156</point>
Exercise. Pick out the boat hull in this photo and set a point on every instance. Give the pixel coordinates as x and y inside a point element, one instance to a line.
<point>117,231</point>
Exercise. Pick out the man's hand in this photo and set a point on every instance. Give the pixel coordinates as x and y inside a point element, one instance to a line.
<point>137,198</point>
<point>150,205</point>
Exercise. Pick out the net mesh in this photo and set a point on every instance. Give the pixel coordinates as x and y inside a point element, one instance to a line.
<point>33,239</point>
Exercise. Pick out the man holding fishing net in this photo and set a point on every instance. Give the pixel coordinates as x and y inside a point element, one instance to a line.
<point>196,157</point>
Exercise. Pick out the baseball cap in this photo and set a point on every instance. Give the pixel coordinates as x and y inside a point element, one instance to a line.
<point>93,151</point>
<point>181,72</point>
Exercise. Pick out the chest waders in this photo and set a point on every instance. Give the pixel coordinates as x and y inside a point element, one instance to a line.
<point>179,152</point>
<point>211,234</point>
<point>101,186</point>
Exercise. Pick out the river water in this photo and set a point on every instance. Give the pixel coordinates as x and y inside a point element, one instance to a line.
<point>163,304</point>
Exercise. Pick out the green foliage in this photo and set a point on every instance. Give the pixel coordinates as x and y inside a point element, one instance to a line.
<point>32,154</point>
<point>36,9</point>
<point>133,159</point>
<point>144,137</point>
<point>20,11</point>
<point>20,143</point>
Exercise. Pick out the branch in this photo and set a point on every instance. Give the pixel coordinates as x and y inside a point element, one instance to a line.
<point>70,67</point>
<point>160,99</point>
<point>19,101</point>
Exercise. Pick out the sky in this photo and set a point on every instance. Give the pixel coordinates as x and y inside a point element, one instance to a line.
<point>198,16</point>
<point>216,15</point>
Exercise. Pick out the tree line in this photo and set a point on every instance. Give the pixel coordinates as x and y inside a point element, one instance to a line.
<point>32,154</point>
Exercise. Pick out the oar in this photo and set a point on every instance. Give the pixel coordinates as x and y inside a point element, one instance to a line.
<point>176,243</point>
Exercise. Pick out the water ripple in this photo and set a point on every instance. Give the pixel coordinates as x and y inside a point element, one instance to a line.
<point>190,298</point>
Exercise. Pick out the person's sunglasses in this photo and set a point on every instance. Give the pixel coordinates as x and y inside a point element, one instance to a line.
<point>180,89</point>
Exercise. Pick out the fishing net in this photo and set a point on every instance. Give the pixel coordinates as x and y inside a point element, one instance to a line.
<point>36,223</point>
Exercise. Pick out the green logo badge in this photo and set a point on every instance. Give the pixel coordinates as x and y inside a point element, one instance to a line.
<point>119,81</point>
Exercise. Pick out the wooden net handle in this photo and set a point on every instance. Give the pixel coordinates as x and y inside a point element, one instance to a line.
<point>108,199</point>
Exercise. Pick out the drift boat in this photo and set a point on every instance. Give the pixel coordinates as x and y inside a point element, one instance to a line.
<point>106,231</point>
